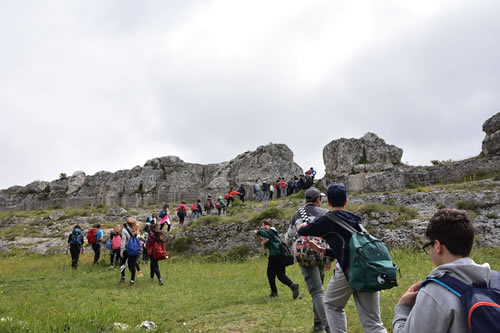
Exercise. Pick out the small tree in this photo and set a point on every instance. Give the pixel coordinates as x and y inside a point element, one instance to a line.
<point>63,175</point>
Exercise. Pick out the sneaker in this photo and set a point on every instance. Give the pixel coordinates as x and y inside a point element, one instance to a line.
<point>295,290</point>
<point>139,274</point>
<point>273,295</point>
<point>131,282</point>
<point>160,282</point>
<point>318,328</point>
<point>122,280</point>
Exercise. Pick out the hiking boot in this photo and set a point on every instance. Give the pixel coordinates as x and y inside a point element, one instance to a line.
<point>139,274</point>
<point>122,280</point>
<point>160,282</point>
<point>273,295</point>
<point>295,290</point>
<point>318,328</point>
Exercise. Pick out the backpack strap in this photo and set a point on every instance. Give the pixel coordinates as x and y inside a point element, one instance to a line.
<point>456,286</point>
<point>276,237</point>
<point>303,215</point>
<point>346,226</point>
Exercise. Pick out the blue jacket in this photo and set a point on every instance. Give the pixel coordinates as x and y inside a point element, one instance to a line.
<point>337,237</point>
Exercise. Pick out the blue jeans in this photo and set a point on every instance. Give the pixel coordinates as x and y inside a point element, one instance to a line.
<point>313,277</point>
<point>258,196</point>
<point>266,196</point>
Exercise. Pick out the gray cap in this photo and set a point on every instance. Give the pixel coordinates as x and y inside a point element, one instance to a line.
<point>312,193</point>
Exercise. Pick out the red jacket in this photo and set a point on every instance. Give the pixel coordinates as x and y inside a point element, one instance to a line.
<point>233,193</point>
<point>182,205</point>
<point>283,184</point>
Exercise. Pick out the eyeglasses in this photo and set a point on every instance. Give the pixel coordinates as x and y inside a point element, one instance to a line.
<point>426,245</point>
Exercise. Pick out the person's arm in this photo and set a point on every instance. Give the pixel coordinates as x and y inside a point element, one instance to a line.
<point>426,314</point>
<point>291,233</point>
<point>124,241</point>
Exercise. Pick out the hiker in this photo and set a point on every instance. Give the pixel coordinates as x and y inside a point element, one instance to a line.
<point>220,205</point>
<point>313,272</point>
<point>154,218</point>
<point>209,205</point>
<point>283,187</point>
<point>181,212</point>
<point>156,236</point>
<point>265,190</point>
<point>198,206</point>
<point>433,308</point>
<point>311,172</point>
<point>75,244</point>
<point>116,242</point>
<point>269,238</point>
<point>130,249</point>
<point>164,215</point>
<point>143,238</point>
<point>230,196</point>
<point>277,187</point>
<point>271,190</point>
<point>194,211</point>
<point>94,237</point>
<point>256,191</point>
<point>338,291</point>
<point>243,192</point>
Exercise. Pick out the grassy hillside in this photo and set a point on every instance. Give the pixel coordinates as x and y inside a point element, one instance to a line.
<point>43,294</point>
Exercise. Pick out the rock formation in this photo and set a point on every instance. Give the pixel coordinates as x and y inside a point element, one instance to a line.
<point>163,179</point>
<point>491,143</point>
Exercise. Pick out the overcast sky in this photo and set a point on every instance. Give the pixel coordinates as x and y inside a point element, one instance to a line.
<point>107,85</point>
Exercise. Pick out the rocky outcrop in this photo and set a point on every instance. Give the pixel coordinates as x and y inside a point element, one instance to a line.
<point>343,156</point>
<point>491,143</point>
<point>163,179</point>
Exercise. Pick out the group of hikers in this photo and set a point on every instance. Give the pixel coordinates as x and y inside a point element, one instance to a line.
<point>457,296</point>
<point>126,243</point>
<point>322,237</point>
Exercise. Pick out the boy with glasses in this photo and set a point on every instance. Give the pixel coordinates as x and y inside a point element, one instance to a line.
<point>434,308</point>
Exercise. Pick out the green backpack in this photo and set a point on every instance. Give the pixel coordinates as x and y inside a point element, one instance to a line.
<point>370,264</point>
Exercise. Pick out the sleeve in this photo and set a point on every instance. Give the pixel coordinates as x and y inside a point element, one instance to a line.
<point>124,241</point>
<point>263,233</point>
<point>409,320</point>
<point>312,229</point>
<point>69,237</point>
<point>149,243</point>
<point>99,235</point>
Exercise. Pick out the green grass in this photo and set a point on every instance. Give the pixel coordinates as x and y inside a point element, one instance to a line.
<point>43,294</point>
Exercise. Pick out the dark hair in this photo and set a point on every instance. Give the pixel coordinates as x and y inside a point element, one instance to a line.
<point>166,206</point>
<point>267,222</point>
<point>77,227</point>
<point>157,234</point>
<point>453,229</point>
<point>98,225</point>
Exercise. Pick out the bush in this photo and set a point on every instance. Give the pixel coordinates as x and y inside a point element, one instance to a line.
<point>180,244</point>
<point>467,205</point>
<point>237,253</point>
<point>268,213</point>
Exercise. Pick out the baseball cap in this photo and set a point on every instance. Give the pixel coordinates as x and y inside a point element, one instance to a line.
<point>312,193</point>
<point>337,195</point>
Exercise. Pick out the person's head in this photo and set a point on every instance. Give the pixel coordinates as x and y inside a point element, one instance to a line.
<point>98,226</point>
<point>198,200</point>
<point>256,180</point>
<point>166,206</point>
<point>134,225</point>
<point>313,196</point>
<point>337,196</point>
<point>230,189</point>
<point>77,227</point>
<point>154,215</point>
<point>209,196</point>
<point>183,202</point>
<point>453,229</point>
<point>117,228</point>
<point>266,224</point>
<point>157,233</point>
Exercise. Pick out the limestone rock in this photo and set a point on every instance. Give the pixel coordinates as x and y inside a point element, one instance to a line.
<point>117,212</point>
<point>343,155</point>
<point>491,143</point>
<point>75,182</point>
<point>56,215</point>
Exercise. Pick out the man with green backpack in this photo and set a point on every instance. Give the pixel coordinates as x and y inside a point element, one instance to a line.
<point>338,227</point>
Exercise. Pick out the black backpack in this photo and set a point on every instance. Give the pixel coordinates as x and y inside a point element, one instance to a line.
<point>181,212</point>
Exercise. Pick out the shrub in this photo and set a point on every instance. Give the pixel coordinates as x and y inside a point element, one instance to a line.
<point>491,215</point>
<point>237,253</point>
<point>180,244</point>
<point>63,175</point>
<point>467,205</point>
<point>268,213</point>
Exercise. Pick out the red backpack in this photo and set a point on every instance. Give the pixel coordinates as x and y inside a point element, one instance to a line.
<point>116,243</point>
<point>194,207</point>
<point>91,236</point>
<point>158,252</point>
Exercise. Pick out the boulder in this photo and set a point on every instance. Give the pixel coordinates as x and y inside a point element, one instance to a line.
<point>56,215</point>
<point>117,212</point>
<point>75,182</point>
<point>491,143</point>
<point>343,156</point>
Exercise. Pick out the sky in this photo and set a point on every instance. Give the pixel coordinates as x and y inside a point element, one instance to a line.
<point>107,85</point>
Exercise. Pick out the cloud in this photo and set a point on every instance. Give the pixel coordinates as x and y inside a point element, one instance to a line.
<point>105,86</point>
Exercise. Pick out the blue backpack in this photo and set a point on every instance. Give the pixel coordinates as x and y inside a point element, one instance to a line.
<point>481,303</point>
<point>76,237</point>
<point>133,245</point>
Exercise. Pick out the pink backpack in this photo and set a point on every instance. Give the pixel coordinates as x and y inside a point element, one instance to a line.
<point>116,243</point>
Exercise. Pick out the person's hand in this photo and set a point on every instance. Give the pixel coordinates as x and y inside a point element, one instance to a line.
<point>411,294</point>
<point>301,226</point>
<point>313,246</point>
